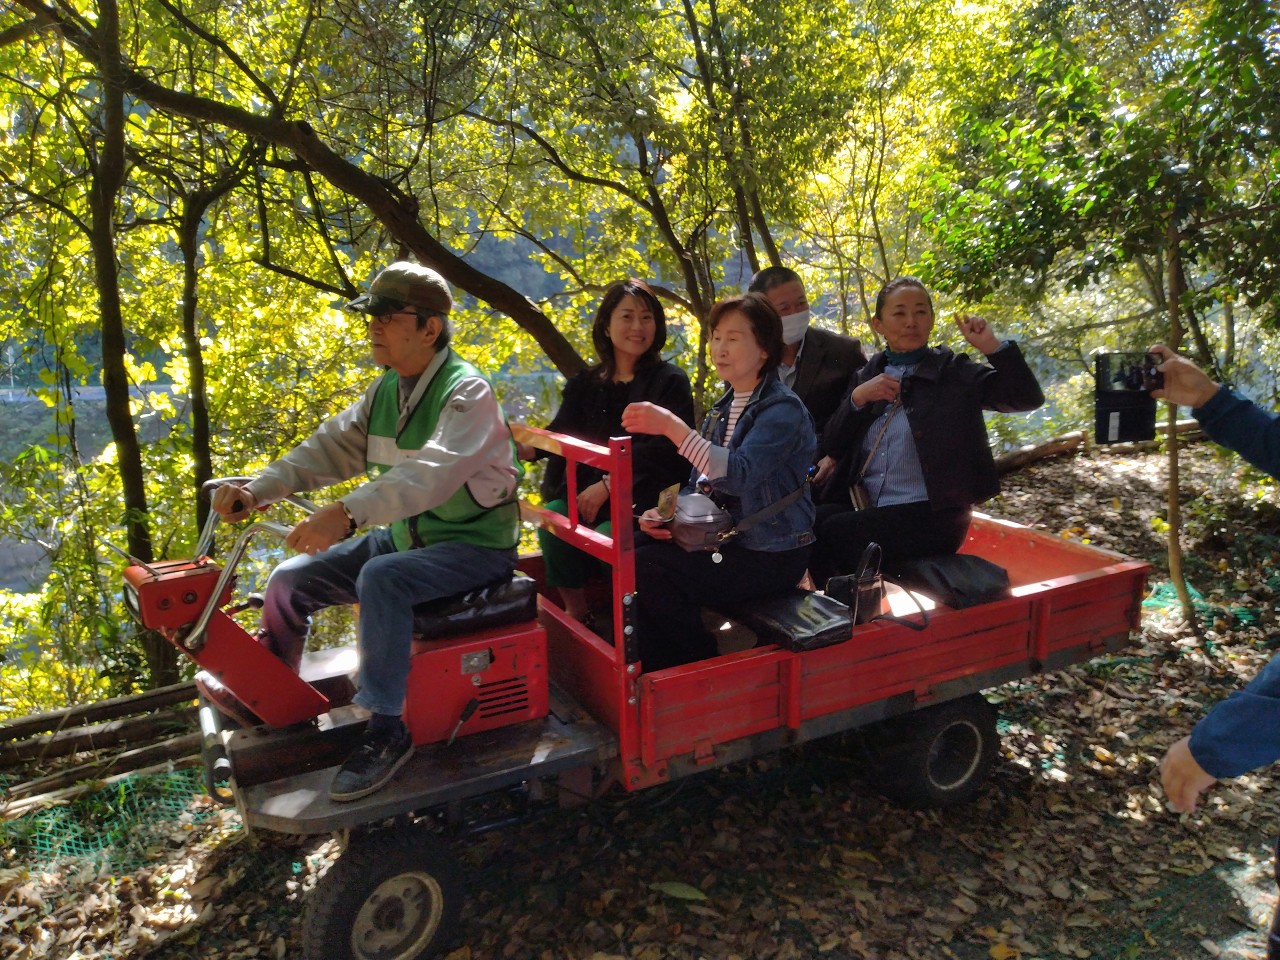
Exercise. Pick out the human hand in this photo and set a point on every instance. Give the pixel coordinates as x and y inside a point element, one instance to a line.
<point>880,387</point>
<point>526,451</point>
<point>979,333</point>
<point>1184,382</point>
<point>653,524</point>
<point>591,500</point>
<point>1182,777</point>
<point>319,531</point>
<point>826,467</point>
<point>226,497</point>
<point>646,417</point>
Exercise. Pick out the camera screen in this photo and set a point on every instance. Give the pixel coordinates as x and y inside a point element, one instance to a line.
<point>1126,373</point>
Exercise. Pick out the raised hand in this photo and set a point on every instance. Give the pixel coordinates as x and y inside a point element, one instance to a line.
<point>978,333</point>
<point>880,387</point>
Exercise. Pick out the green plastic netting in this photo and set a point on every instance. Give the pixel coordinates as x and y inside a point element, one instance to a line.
<point>1163,596</point>
<point>118,828</point>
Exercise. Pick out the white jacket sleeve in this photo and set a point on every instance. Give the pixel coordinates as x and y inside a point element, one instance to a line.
<point>335,452</point>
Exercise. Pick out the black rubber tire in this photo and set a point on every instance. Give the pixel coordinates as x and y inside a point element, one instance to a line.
<point>937,756</point>
<point>392,895</point>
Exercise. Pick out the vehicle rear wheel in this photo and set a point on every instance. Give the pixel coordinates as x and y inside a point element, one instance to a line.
<point>392,895</point>
<point>938,756</point>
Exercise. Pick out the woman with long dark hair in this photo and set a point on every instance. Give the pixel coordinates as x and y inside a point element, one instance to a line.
<point>629,332</point>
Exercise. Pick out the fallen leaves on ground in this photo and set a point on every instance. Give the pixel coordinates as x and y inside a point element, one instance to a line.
<point>1070,851</point>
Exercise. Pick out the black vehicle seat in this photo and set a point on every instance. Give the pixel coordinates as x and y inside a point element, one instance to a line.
<point>496,605</point>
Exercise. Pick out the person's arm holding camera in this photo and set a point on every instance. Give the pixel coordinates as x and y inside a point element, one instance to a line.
<point>1241,733</point>
<point>1184,382</point>
<point>1225,416</point>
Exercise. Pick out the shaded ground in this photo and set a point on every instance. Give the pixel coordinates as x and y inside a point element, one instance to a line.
<point>1068,853</point>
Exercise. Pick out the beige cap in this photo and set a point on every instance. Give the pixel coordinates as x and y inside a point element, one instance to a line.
<point>404,284</point>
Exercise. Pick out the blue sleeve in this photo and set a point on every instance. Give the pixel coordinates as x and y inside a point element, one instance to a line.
<point>1242,732</point>
<point>780,437</point>
<point>1233,421</point>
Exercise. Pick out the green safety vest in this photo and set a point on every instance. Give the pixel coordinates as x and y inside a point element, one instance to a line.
<point>460,518</point>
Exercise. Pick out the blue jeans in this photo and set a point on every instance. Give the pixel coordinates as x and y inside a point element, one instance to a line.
<point>387,583</point>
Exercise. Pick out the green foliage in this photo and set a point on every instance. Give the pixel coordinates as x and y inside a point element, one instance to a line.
<point>1076,172</point>
<point>1036,157</point>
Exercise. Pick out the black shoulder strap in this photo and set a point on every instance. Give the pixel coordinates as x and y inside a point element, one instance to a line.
<point>746,523</point>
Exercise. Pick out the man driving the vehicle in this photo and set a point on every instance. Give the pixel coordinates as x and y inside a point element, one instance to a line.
<point>439,498</point>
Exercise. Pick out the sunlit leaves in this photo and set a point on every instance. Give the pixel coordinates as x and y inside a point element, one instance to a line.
<point>1102,170</point>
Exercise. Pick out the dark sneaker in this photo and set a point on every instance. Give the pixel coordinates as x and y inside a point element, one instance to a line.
<point>225,701</point>
<point>372,764</point>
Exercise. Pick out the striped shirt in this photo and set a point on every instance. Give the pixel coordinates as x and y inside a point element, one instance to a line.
<point>697,449</point>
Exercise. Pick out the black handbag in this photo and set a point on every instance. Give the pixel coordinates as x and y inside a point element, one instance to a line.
<point>863,592</point>
<point>700,525</point>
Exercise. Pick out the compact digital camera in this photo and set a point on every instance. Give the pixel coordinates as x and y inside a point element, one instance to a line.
<point>1124,410</point>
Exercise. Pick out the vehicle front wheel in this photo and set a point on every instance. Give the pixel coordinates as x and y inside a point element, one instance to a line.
<point>392,895</point>
<point>937,756</point>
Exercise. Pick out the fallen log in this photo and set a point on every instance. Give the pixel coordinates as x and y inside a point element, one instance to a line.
<point>100,736</point>
<point>1014,459</point>
<point>24,727</point>
<point>27,804</point>
<point>1188,430</point>
<point>125,762</point>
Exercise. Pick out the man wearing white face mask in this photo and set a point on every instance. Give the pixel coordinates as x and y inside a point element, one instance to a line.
<point>816,363</point>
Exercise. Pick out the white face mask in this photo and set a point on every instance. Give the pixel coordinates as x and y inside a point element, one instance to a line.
<point>793,327</point>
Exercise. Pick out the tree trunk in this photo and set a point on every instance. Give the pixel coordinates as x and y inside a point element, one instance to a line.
<point>744,230</point>
<point>201,451</point>
<point>1228,336</point>
<point>107,180</point>
<point>1174,278</point>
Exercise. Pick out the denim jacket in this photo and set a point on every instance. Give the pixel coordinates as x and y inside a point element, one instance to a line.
<point>769,456</point>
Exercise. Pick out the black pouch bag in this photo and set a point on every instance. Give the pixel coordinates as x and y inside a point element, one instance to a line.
<point>956,580</point>
<point>700,524</point>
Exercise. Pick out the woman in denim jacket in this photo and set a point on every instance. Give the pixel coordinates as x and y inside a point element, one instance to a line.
<point>754,449</point>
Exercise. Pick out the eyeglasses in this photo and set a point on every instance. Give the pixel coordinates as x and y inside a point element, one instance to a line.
<point>383,319</point>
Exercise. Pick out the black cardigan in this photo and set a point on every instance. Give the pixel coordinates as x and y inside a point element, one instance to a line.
<point>943,400</point>
<point>584,413</point>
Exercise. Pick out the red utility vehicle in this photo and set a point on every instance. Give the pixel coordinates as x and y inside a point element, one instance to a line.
<point>517,708</point>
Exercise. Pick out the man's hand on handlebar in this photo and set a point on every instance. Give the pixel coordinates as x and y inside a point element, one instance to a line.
<point>319,531</point>
<point>233,502</point>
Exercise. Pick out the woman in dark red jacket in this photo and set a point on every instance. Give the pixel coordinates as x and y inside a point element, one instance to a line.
<point>911,432</point>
